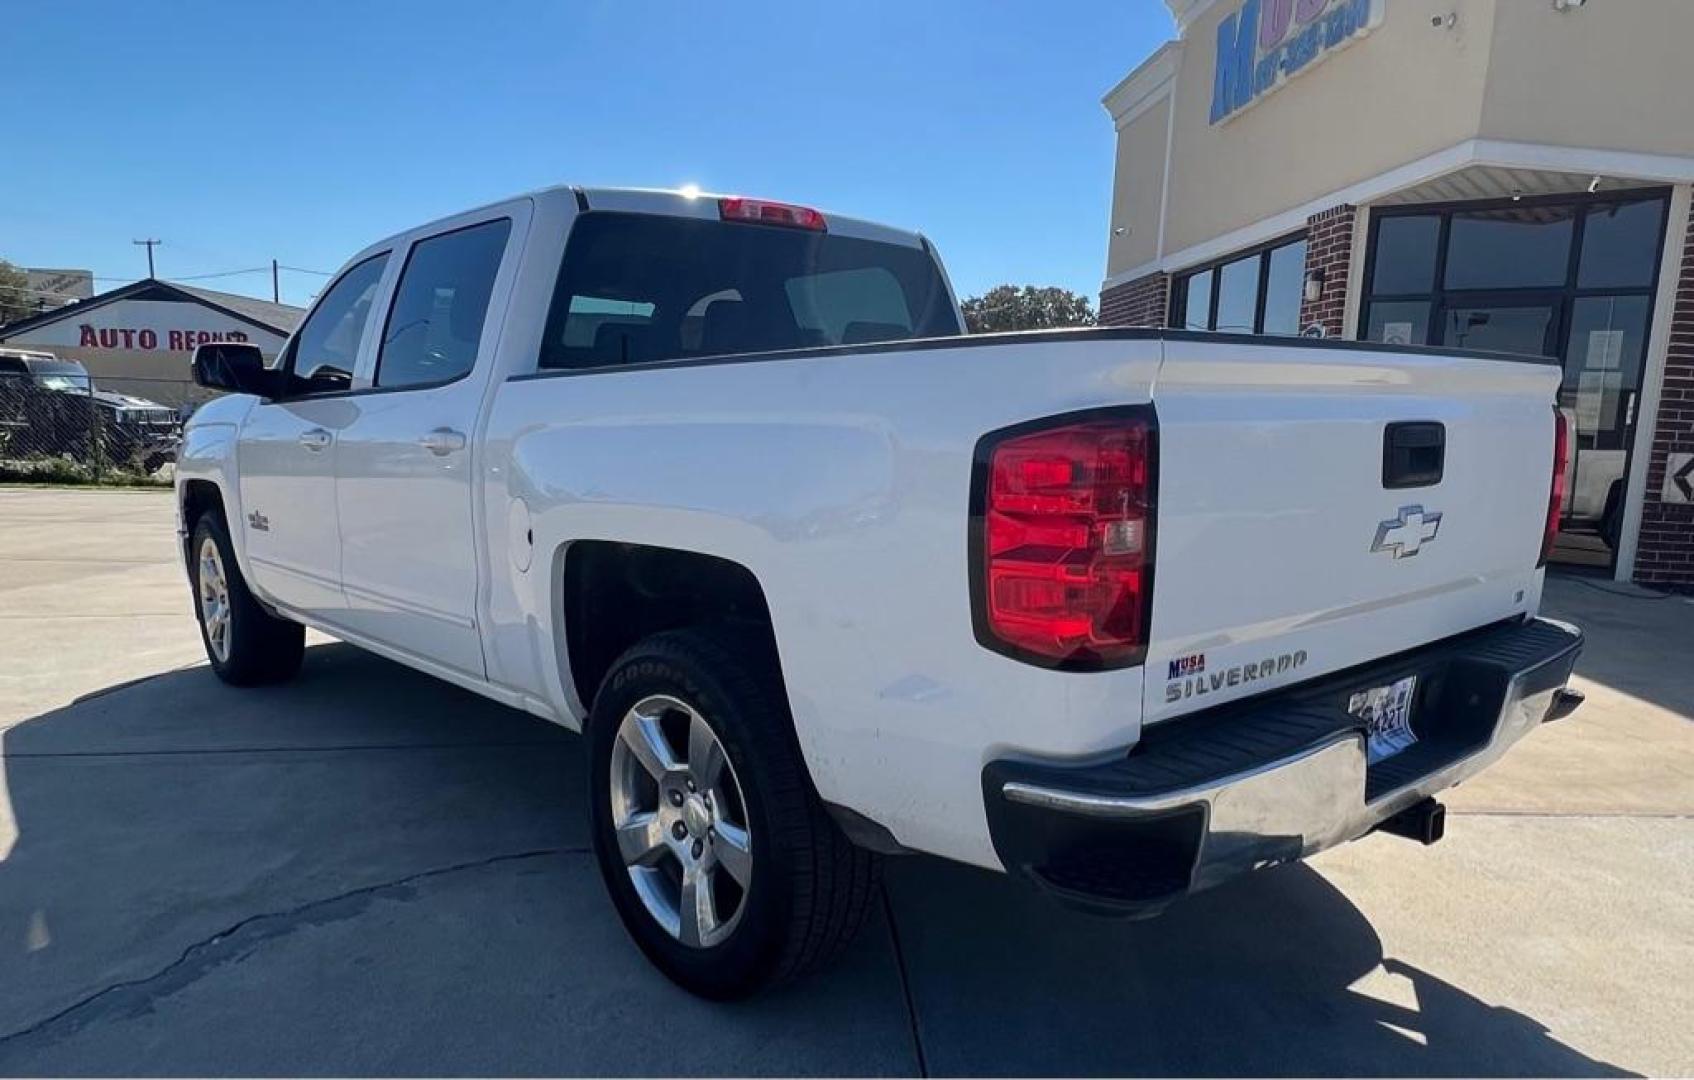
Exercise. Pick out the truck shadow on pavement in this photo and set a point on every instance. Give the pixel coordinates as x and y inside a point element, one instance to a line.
<point>1260,977</point>
<point>368,871</point>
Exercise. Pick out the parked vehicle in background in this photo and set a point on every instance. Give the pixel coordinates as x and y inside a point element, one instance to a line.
<point>51,407</point>
<point>1594,487</point>
<point>720,483</point>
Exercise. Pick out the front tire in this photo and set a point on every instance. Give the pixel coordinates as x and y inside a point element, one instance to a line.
<point>718,855</point>
<point>247,645</point>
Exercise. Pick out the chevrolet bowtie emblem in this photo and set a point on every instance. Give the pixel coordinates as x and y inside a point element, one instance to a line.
<point>1405,535</point>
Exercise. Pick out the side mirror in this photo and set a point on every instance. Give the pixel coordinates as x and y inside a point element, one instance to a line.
<point>233,366</point>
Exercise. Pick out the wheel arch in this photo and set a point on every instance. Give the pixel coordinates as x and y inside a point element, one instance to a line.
<point>611,594</point>
<point>195,498</point>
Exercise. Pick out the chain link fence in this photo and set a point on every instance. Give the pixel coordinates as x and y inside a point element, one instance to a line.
<point>72,429</point>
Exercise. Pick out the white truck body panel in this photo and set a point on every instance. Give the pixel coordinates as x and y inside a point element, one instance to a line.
<point>841,480</point>
<point>1271,491</point>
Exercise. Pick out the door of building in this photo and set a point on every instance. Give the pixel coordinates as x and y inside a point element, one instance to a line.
<point>1568,277</point>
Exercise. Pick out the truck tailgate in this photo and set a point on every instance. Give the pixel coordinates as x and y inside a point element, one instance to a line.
<point>1282,551</point>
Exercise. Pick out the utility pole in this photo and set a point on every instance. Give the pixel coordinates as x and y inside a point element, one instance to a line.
<point>276,292</point>
<point>149,245</point>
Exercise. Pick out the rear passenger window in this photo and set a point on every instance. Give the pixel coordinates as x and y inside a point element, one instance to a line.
<point>440,306</point>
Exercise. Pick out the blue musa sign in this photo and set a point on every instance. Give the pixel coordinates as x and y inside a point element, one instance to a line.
<point>1266,42</point>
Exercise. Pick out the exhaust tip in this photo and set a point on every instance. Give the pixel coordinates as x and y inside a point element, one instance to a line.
<point>1565,702</point>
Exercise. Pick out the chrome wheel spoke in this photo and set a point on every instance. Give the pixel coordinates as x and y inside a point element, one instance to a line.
<point>699,913</point>
<point>641,839</point>
<point>705,753</point>
<point>732,849</point>
<point>646,740</point>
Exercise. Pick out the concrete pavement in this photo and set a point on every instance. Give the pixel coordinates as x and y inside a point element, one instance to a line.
<point>368,871</point>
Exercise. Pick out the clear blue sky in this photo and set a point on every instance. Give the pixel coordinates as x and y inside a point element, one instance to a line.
<point>238,132</point>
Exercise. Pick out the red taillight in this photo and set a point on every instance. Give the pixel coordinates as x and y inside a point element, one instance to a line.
<point>1556,493</point>
<point>1065,550</point>
<point>771,213</point>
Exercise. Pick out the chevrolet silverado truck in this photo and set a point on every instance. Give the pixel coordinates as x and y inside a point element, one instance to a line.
<point>722,484</point>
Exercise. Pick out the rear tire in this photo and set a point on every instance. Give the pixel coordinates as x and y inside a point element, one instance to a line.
<point>802,891</point>
<point>247,645</point>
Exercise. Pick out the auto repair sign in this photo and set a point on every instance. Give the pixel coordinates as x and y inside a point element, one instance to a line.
<point>1264,43</point>
<point>146,326</point>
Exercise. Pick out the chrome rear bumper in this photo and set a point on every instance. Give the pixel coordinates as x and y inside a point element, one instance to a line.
<point>1203,799</point>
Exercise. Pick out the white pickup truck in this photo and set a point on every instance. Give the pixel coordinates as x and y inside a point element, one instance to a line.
<point>721,483</point>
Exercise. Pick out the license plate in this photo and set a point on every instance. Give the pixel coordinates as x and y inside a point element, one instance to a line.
<point>1387,713</point>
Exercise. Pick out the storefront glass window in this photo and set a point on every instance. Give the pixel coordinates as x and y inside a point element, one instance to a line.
<point>1284,282</point>
<point>1510,248</point>
<point>1509,328</point>
<point>1399,322</point>
<point>1608,336</point>
<point>1620,245</point>
<point>1252,294</point>
<point>1238,296</point>
<point>1570,277</point>
<point>1199,307</point>
<point>1405,254</point>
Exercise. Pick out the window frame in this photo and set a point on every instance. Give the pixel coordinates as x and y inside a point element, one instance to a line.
<point>375,386</point>
<point>1261,252</point>
<point>1563,296</point>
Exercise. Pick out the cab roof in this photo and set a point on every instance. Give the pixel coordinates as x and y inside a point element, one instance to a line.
<point>700,204</point>
<point>686,203</point>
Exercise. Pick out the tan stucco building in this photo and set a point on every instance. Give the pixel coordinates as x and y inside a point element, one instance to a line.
<point>1501,174</point>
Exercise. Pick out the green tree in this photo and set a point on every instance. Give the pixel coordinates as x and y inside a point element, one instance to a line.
<point>1027,307</point>
<point>15,300</point>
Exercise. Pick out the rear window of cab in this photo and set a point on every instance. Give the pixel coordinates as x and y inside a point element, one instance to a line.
<point>637,288</point>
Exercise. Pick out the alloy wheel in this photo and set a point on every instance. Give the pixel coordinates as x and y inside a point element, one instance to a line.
<point>681,821</point>
<point>214,599</point>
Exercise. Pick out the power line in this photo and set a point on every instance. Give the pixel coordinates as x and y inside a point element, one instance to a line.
<point>220,273</point>
<point>184,277</point>
<point>127,278</point>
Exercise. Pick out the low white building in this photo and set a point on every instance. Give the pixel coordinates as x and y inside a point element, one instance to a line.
<point>138,339</point>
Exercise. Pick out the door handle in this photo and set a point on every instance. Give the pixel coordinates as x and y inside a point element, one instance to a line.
<point>316,439</point>
<point>443,441</point>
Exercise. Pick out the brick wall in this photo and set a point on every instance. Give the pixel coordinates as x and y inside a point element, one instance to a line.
<point>1665,555</point>
<point>1142,302</point>
<point>1329,247</point>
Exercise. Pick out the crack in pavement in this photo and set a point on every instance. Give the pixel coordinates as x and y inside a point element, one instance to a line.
<point>204,955</point>
<point>913,1024</point>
